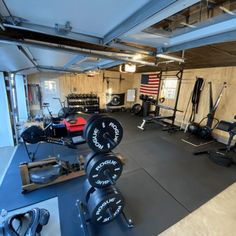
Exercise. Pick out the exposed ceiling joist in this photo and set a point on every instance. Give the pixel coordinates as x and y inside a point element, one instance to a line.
<point>215,27</point>
<point>220,38</point>
<point>221,29</point>
<point>135,49</point>
<point>150,9</point>
<point>171,8</point>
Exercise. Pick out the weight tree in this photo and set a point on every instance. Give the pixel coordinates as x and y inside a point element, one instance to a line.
<point>103,202</point>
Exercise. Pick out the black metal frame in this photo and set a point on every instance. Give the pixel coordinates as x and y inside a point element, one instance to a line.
<point>31,155</point>
<point>221,155</point>
<point>157,118</point>
<point>86,224</point>
<point>212,108</point>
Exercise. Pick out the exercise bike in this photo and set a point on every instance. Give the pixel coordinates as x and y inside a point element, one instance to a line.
<point>223,156</point>
<point>66,130</point>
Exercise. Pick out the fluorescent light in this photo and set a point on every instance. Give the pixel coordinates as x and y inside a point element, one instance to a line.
<point>169,57</point>
<point>137,57</point>
<point>188,25</point>
<point>227,10</point>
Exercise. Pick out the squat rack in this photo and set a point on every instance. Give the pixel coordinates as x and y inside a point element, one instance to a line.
<point>157,118</point>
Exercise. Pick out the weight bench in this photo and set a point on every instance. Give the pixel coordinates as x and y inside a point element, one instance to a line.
<point>155,119</point>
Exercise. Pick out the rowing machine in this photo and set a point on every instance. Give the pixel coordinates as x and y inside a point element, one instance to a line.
<point>223,156</point>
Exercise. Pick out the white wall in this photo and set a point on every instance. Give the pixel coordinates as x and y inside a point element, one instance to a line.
<point>6,138</point>
<point>21,99</point>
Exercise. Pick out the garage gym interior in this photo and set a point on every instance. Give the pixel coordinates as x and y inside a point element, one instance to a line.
<point>117,118</point>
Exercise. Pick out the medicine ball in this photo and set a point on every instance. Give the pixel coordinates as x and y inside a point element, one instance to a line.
<point>193,128</point>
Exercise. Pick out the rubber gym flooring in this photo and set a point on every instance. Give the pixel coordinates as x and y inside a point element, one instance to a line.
<point>162,181</point>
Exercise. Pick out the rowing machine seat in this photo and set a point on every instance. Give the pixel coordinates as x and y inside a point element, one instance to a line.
<point>46,174</point>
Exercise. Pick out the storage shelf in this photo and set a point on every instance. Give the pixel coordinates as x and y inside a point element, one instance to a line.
<point>83,103</point>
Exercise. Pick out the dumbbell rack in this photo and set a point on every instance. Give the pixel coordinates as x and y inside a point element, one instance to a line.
<point>88,103</point>
<point>102,202</point>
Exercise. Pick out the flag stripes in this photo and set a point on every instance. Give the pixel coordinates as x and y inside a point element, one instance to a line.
<point>150,83</point>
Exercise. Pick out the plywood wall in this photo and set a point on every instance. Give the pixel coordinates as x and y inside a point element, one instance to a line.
<point>227,106</point>
<point>82,83</point>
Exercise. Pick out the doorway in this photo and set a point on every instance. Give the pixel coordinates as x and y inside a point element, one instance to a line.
<point>50,89</point>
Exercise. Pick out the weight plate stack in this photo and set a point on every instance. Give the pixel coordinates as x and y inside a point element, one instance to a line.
<point>104,205</point>
<point>103,169</point>
<point>103,133</point>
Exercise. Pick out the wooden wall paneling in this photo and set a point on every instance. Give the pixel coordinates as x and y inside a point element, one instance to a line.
<point>81,83</point>
<point>226,109</point>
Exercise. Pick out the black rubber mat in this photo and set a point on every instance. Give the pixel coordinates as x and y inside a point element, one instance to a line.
<point>162,181</point>
<point>192,180</point>
<point>150,207</point>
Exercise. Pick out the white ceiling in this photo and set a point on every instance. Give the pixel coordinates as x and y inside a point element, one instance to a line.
<point>50,57</point>
<point>95,17</point>
<point>100,21</point>
<point>11,59</point>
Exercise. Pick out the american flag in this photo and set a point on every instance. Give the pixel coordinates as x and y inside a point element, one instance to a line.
<point>150,83</point>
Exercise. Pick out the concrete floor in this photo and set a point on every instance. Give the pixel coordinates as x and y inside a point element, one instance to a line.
<point>6,154</point>
<point>216,217</point>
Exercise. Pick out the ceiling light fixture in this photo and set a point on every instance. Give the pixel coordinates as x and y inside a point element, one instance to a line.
<point>137,57</point>
<point>127,67</point>
<point>92,73</point>
<point>169,57</point>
